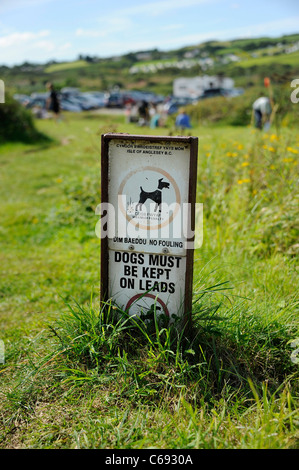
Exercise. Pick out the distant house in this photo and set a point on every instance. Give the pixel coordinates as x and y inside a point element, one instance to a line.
<point>191,54</point>
<point>226,59</point>
<point>195,86</point>
<point>144,55</point>
<point>293,48</point>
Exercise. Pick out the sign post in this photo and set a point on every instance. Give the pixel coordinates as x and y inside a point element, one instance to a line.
<point>148,191</point>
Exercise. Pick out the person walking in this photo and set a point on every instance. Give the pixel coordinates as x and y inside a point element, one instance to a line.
<point>53,101</point>
<point>143,111</point>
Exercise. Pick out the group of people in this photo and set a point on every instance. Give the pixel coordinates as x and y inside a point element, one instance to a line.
<point>145,114</point>
<point>152,115</point>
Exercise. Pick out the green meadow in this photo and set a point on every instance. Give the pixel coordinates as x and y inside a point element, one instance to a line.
<point>289,59</point>
<point>78,375</point>
<point>61,67</point>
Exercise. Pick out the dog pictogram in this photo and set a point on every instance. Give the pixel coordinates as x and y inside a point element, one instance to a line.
<point>155,196</point>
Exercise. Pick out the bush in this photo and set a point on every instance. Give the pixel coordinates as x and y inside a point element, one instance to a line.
<point>17,124</point>
<point>231,111</point>
<point>236,111</point>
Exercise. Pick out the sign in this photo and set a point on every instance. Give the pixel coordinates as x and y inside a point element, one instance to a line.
<point>2,92</point>
<point>147,227</point>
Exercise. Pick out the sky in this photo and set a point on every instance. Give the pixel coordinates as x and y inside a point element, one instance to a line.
<point>42,30</point>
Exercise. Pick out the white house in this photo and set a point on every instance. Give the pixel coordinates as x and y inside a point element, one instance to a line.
<point>195,86</point>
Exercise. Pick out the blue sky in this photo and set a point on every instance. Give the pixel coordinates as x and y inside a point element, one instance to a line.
<point>42,30</point>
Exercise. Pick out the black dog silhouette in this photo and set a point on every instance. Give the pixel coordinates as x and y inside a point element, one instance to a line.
<point>155,196</point>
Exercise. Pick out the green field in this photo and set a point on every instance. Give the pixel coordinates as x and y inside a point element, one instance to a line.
<point>76,378</point>
<point>62,67</point>
<point>285,59</point>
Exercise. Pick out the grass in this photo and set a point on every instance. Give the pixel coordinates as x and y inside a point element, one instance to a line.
<point>61,67</point>
<point>80,376</point>
<point>288,59</point>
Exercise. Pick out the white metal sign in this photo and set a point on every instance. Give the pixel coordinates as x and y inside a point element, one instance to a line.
<point>146,260</point>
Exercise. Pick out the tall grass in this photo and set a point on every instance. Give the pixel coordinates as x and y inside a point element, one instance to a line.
<point>232,373</point>
<point>228,348</point>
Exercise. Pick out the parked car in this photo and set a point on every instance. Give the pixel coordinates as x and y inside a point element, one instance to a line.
<point>22,99</point>
<point>38,100</point>
<point>87,102</point>
<point>68,105</point>
<point>100,97</point>
<point>69,92</point>
<point>212,92</point>
<point>152,97</point>
<point>147,96</point>
<point>115,100</point>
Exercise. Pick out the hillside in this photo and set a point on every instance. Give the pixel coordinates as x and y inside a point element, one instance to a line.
<point>245,60</point>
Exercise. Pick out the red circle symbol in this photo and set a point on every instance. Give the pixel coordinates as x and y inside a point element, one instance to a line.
<point>138,296</point>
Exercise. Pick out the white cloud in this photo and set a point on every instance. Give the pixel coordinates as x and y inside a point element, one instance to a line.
<point>171,27</point>
<point>18,39</point>
<point>89,33</point>
<point>171,41</point>
<point>18,47</point>
<point>269,27</point>
<point>7,5</point>
<point>65,46</point>
<point>161,7</point>
<point>47,46</point>
<point>107,26</point>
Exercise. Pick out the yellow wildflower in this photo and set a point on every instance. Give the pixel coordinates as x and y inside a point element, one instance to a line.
<point>245,164</point>
<point>231,154</point>
<point>245,180</point>
<point>273,137</point>
<point>239,146</point>
<point>290,149</point>
<point>287,160</point>
<point>272,167</point>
